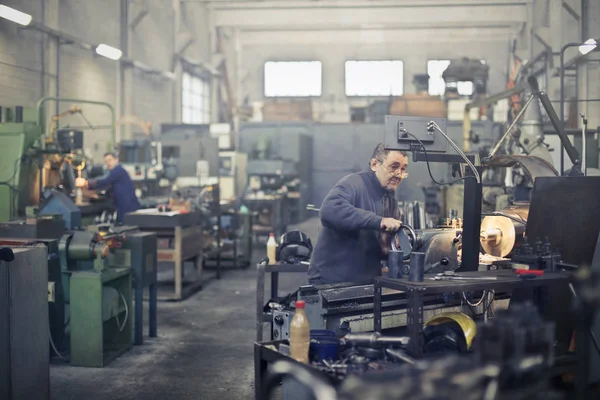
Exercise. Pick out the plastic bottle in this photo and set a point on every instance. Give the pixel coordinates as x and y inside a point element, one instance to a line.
<point>299,334</point>
<point>272,248</point>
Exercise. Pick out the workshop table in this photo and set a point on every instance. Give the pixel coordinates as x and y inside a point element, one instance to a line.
<point>274,270</point>
<point>179,239</point>
<point>278,216</point>
<point>506,281</point>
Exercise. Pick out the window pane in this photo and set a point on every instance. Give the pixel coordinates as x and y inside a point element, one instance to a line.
<point>186,82</point>
<point>293,79</point>
<point>186,116</point>
<point>465,88</point>
<point>435,69</point>
<point>374,78</point>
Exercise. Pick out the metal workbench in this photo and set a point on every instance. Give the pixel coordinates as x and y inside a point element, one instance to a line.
<point>274,270</point>
<point>506,281</point>
<point>179,239</point>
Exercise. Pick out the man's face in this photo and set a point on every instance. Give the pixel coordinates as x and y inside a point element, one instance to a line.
<point>110,161</point>
<point>391,170</point>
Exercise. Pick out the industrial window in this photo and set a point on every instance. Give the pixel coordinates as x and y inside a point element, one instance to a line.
<point>195,100</point>
<point>435,69</point>
<point>374,78</point>
<point>293,78</point>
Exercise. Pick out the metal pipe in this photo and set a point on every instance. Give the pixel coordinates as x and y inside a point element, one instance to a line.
<point>562,96</point>
<point>41,121</point>
<point>517,118</point>
<point>583,144</point>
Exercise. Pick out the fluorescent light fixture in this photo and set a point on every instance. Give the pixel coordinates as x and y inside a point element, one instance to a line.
<point>588,46</point>
<point>109,52</point>
<point>15,15</point>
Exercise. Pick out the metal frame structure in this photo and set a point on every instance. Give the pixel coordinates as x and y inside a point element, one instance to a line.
<point>505,281</point>
<point>274,270</point>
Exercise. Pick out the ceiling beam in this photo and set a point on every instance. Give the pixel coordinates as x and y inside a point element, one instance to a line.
<point>232,4</point>
<point>382,16</point>
<point>376,37</point>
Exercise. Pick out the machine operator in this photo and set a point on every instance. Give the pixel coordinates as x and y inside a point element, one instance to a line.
<point>359,217</point>
<point>118,179</point>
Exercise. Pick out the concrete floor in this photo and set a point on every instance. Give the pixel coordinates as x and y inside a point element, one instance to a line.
<point>204,348</point>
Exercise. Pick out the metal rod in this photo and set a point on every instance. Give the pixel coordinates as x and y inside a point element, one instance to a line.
<point>503,138</point>
<point>583,144</point>
<point>562,96</point>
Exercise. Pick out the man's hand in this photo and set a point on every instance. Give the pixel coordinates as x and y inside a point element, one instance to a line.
<point>81,183</point>
<point>390,225</point>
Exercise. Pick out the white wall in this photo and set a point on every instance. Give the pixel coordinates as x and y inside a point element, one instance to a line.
<point>85,75</point>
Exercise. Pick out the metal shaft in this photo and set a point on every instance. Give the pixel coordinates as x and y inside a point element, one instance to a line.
<point>510,128</point>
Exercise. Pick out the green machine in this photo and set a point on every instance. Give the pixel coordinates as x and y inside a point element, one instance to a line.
<point>89,299</point>
<point>27,148</point>
<point>84,290</point>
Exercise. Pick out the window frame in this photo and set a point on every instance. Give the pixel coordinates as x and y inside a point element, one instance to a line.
<point>198,89</point>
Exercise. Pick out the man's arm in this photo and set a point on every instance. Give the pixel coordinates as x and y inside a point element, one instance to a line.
<point>113,176</point>
<point>338,210</point>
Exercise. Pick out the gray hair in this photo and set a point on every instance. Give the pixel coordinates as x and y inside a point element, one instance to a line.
<point>380,153</point>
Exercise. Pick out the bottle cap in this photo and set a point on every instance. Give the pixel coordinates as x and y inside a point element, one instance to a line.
<point>271,234</point>
<point>300,304</point>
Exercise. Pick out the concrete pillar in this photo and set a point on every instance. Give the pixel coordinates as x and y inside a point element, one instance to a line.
<point>177,67</point>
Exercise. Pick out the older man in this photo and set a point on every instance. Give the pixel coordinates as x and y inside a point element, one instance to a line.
<point>359,215</point>
<point>118,179</point>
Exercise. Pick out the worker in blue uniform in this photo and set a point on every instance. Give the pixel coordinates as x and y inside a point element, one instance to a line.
<point>118,179</point>
<point>359,216</point>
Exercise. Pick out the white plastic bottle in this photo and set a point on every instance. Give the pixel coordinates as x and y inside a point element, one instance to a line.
<point>300,334</point>
<point>271,248</point>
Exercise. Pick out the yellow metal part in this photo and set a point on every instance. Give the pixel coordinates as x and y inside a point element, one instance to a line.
<point>71,111</point>
<point>465,322</point>
<point>137,121</point>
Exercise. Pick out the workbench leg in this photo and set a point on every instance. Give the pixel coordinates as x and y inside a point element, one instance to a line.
<point>139,312</point>
<point>260,301</point>
<point>377,307</point>
<point>260,371</point>
<point>153,297</point>
<point>179,262</point>
<point>414,319</point>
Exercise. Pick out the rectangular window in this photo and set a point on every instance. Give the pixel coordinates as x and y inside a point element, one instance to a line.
<point>293,79</point>
<point>195,100</point>
<point>435,69</point>
<point>374,78</point>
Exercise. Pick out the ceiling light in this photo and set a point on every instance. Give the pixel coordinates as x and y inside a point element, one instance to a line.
<point>109,52</point>
<point>588,46</point>
<point>15,15</point>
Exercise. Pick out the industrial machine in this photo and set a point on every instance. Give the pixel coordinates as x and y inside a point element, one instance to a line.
<point>86,294</point>
<point>232,174</point>
<point>190,155</point>
<point>41,160</point>
<point>142,158</point>
<point>24,343</point>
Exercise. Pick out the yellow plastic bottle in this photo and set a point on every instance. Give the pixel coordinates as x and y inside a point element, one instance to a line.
<point>272,248</point>
<point>299,334</point>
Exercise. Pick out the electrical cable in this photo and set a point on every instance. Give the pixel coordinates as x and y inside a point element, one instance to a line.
<point>464,295</point>
<point>429,167</point>
<point>121,327</point>
<point>53,345</point>
<point>458,150</point>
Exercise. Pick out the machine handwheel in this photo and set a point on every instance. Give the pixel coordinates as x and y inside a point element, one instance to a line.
<point>405,239</point>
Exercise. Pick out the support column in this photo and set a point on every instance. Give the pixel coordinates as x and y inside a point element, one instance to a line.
<point>177,66</point>
<point>51,58</point>
<point>126,73</point>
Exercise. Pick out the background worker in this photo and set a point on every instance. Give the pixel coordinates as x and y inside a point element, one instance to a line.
<point>123,190</point>
<point>359,216</point>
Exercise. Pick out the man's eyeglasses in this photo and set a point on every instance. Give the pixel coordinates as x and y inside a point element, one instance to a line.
<point>395,171</point>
